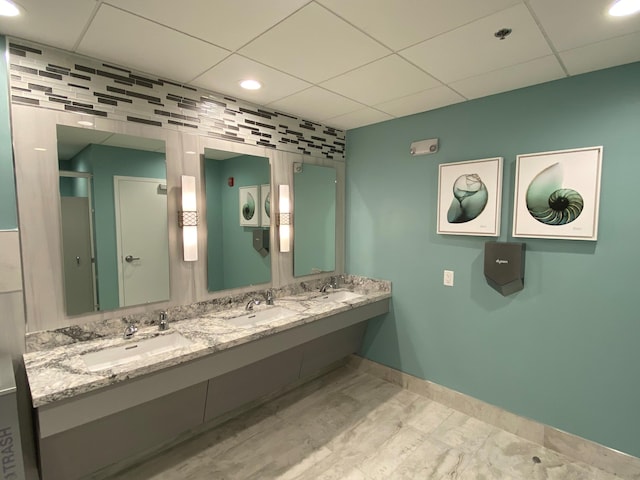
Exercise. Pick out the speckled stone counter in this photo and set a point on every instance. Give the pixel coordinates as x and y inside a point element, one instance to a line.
<point>56,369</point>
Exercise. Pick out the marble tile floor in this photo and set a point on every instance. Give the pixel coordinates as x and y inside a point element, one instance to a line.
<point>349,425</point>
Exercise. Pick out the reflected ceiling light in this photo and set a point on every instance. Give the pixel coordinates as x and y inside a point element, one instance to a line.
<point>85,123</point>
<point>40,149</point>
<point>188,219</point>
<point>8,9</point>
<point>284,218</point>
<point>250,84</point>
<point>624,7</point>
<point>190,152</point>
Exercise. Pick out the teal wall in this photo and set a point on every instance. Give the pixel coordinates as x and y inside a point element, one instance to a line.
<point>8,211</point>
<point>241,264</point>
<point>104,163</point>
<point>565,350</point>
<point>315,220</point>
<point>215,182</point>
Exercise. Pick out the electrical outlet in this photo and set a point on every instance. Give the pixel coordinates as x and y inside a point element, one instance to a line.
<point>448,278</point>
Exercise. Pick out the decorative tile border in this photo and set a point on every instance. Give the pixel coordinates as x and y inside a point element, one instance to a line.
<point>583,450</point>
<point>46,77</point>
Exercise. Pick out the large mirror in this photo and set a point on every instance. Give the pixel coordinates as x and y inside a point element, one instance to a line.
<point>314,219</point>
<point>238,205</point>
<point>113,203</point>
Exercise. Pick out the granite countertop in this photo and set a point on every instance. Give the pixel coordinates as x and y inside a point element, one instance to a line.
<point>58,372</point>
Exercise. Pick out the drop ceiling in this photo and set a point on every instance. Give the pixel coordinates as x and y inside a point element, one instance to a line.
<point>344,63</point>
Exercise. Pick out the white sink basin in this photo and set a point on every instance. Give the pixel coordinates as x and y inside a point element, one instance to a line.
<point>131,351</point>
<point>341,296</point>
<point>259,317</point>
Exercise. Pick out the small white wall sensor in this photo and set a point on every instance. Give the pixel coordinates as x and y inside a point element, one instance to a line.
<point>424,147</point>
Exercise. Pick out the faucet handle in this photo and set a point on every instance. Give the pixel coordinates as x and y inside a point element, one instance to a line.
<point>163,323</point>
<point>130,331</point>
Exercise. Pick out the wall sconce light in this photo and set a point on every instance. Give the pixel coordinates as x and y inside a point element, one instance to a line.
<point>284,218</point>
<point>188,219</point>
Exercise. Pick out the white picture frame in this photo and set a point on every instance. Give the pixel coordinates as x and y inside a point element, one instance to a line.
<point>557,194</point>
<point>265,205</point>
<point>470,197</point>
<point>249,203</point>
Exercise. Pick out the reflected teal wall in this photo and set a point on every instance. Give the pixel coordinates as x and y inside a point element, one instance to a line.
<point>104,163</point>
<point>8,212</point>
<point>564,351</point>
<point>215,183</point>
<point>241,264</point>
<point>315,220</point>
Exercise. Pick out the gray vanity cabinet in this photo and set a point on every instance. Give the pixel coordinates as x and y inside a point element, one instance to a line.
<point>239,387</point>
<point>82,450</point>
<point>323,351</point>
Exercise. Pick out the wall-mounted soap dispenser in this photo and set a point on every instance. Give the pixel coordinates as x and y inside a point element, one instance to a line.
<point>261,241</point>
<point>504,266</point>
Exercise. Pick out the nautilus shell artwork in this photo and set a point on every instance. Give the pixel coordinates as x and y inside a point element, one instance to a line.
<point>470,198</point>
<point>267,205</point>
<point>549,202</point>
<point>249,207</point>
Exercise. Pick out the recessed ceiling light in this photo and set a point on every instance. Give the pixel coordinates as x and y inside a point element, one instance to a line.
<point>250,84</point>
<point>190,152</point>
<point>624,7</point>
<point>8,8</point>
<point>85,123</point>
<point>40,149</point>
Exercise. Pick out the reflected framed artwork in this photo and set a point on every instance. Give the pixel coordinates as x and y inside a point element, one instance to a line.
<point>557,194</point>
<point>470,197</point>
<point>249,206</point>
<point>265,205</point>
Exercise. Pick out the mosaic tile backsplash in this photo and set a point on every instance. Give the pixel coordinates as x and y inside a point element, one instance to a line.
<point>46,77</point>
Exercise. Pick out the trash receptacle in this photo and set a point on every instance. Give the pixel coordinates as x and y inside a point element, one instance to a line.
<point>11,462</point>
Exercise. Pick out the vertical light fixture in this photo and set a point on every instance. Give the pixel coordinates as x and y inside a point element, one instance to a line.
<point>188,219</point>
<point>284,218</point>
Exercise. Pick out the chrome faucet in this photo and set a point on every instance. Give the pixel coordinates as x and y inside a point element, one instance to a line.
<point>333,283</point>
<point>163,323</point>
<point>270,297</point>
<point>130,331</point>
<point>251,303</point>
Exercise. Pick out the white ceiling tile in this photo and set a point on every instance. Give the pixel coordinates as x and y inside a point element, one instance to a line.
<point>579,22</point>
<point>522,75</point>
<point>314,45</point>
<point>473,49</point>
<point>315,104</point>
<point>58,23</point>
<point>399,24</point>
<point>225,78</point>
<point>359,118</point>
<point>608,53</point>
<point>226,24</point>
<point>421,102</point>
<point>385,79</point>
<point>129,40</point>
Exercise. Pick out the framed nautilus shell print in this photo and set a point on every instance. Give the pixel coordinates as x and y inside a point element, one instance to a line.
<point>249,206</point>
<point>265,205</point>
<point>557,194</point>
<point>470,197</point>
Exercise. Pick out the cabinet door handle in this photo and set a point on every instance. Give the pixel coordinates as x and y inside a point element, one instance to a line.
<point>131,258</point>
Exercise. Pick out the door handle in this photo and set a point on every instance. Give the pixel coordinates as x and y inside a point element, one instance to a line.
<point>131,258</point>
<point>77,260</point>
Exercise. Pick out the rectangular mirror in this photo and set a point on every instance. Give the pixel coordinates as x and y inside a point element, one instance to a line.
<point>238,209</point>
<point>113,201</point>
<point>314,219</point>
